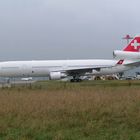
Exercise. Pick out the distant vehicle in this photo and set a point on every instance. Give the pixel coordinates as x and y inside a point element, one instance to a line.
<point>130,78</point>
<point>27,79</point>
<point>58,69</point>
<point>138,75</point>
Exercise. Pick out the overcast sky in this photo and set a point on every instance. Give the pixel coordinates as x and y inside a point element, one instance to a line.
<point>65,29</point>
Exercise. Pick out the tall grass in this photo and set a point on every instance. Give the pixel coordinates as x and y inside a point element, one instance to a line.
<point>65,111</point>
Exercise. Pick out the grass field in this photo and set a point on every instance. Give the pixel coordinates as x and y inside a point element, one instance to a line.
<point>94,110</point>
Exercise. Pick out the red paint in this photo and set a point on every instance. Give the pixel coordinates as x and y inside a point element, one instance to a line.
<point>120,62</point>
<point>130,46</point>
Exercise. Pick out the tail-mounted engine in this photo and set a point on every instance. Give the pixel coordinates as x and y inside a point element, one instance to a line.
<point>126,55</point>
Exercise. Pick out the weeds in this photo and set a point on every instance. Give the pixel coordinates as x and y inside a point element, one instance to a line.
<point>57,111</point>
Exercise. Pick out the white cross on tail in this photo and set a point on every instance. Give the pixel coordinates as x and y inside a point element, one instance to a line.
<point>135,44</point>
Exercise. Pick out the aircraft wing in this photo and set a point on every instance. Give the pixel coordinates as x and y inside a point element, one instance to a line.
<point>133,64</point>
<point>81,71</point>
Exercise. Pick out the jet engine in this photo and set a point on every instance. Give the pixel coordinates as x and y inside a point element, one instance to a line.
<point>57,75</point>
<point>126,54</point>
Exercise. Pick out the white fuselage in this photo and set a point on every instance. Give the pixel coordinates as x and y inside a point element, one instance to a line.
<point>43,68</point>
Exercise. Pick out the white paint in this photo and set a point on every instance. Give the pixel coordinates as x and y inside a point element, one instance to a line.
<point>135,44</point>
<point>44,68</point>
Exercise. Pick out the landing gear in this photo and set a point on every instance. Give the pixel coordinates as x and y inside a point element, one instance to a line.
<point>75,79</point>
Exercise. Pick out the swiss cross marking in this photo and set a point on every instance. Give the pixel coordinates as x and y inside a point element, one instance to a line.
<point>135,44</point>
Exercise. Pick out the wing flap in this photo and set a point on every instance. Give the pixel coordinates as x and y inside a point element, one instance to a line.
<point>83,70</point>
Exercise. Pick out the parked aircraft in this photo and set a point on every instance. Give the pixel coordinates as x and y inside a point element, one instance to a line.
<point>58,69</point>
<point>132,51</point>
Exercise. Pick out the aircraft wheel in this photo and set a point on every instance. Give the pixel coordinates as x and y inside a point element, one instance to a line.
<point>72,80</point>
<point>75,80</point>
<point>78,80</point>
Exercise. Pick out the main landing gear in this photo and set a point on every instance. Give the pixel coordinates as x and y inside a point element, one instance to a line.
<point>76,79</point>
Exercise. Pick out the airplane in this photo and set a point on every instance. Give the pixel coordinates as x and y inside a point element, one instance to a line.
<point>59,69</point>
<point>130,52</point>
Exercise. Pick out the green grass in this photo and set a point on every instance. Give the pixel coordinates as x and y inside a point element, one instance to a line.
<point>91,110</point>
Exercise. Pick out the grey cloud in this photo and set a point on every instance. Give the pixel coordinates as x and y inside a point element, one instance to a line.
<point>65,29</point>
